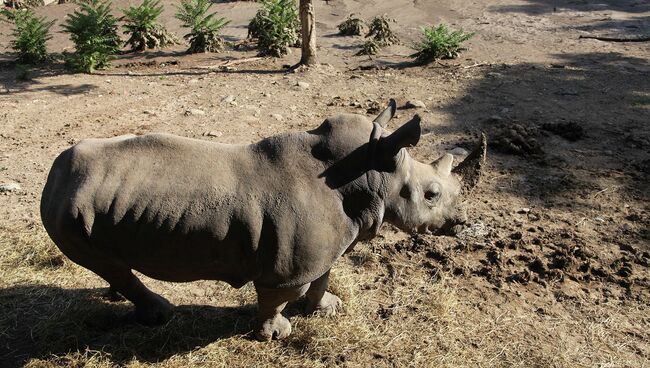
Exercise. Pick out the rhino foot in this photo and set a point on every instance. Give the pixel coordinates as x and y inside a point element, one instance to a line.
<point>154,312</point>
<point>327,306</point>
<point>277,327</point>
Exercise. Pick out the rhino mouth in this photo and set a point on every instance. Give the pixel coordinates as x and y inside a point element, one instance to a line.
<point>449,228</point>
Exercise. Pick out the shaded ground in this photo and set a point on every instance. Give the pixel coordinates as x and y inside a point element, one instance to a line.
<point>552,271</point>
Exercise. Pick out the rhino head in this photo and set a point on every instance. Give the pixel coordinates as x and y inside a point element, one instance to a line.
<point>414,196</point>
<point>423,197</point>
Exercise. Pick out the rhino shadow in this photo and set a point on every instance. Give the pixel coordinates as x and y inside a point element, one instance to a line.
<point>39,321</point>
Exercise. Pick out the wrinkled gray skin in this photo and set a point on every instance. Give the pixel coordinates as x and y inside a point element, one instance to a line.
<point>278,212</point>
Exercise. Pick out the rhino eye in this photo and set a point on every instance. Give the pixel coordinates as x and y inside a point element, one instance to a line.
<point>431,195</point>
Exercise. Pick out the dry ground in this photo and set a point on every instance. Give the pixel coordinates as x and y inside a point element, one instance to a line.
<point>552,271</point>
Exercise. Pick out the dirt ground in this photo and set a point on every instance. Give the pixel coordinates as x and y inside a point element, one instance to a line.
<point>553,269</point>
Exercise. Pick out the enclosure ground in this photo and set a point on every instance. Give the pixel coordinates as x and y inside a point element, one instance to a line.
<point>552,270</point>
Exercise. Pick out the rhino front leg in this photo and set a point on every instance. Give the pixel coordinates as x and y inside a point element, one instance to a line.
<point>319,300</point>
<point>271,323</point>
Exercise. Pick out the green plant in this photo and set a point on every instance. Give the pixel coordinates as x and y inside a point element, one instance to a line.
<point>370,47</point>
<point>380,31</point>
<point>276,27</point>
<point>205,29</point>
<point>440,43</point>
<point>30,35</point>
<point>93,30</point>
<point>23,4</point>
<point>141,23</point>
<point>352,26</point>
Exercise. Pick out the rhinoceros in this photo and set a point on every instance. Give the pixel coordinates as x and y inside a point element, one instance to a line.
<point>278,212</point>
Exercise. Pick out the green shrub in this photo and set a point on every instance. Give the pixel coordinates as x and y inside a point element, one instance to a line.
<point>370,47</point>
<point>23,4</point>
<point>30,35</point>
<point>93,30</point>
<point>380,31</point>
<point>440,43</point>
<point>141,23</point>
<point>352,26</point>
<point>276,27</point>
<point>205,29</point>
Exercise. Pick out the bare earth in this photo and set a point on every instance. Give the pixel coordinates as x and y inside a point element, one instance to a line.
<point>553,269</point>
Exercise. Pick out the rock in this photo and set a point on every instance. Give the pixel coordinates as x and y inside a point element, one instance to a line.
<point>194,112</point>
<point>459,151</point>
<point>524,210</point>
<point>303,85</point>
<point>277,117</point>
<point>9,187</point>
<point>415,104</point>
<point>150,112</point>
<point>212,133</point>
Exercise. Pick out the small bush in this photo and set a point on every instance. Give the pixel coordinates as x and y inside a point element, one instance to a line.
<point>276,27</point>
<point>23,4</point>
<point>30,35</point>
<point>143,27</point>
<point>93,30</point>
<point>380,31</point>
<point>205,29</point>
<point>440,43</point>
<point>370,47</point>
<point>352,26</point>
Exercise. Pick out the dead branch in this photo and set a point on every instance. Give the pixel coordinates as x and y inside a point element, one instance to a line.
<point>618,39</point>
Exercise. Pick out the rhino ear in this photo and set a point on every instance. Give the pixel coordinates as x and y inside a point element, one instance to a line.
<point>387,114</point>
<point>470,169</point>
<point>408,135</point>
<point>444,164</point>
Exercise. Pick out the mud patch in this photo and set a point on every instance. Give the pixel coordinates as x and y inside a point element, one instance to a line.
<point>515,139</point>
<point>532,258</point>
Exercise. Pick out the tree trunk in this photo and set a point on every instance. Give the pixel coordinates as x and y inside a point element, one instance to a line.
<point>308,23</point>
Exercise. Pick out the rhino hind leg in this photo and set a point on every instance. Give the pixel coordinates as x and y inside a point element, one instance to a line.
<point>271,302</point>
<point>319,300</point>
<point>150,308</point>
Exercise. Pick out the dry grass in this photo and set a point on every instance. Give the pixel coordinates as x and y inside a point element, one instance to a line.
<point>396,314</point>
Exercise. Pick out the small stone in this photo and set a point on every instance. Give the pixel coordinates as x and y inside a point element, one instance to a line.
<point>524,210</point>
<point>194,112</point>
<point>228,99</point>
<point>459,151</point>
<point>303,85</point>
<point>9,187</point>
<point>212,133</point>
<point>277,117</point>
<point>415,104</point>
<point>533,217</point>
<point>193,81</point>
<point>149,112</point>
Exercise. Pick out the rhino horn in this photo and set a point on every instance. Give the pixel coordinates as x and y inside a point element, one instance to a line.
<point>470,169</point>
<point>387,114</point>
<point>408,135</point>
